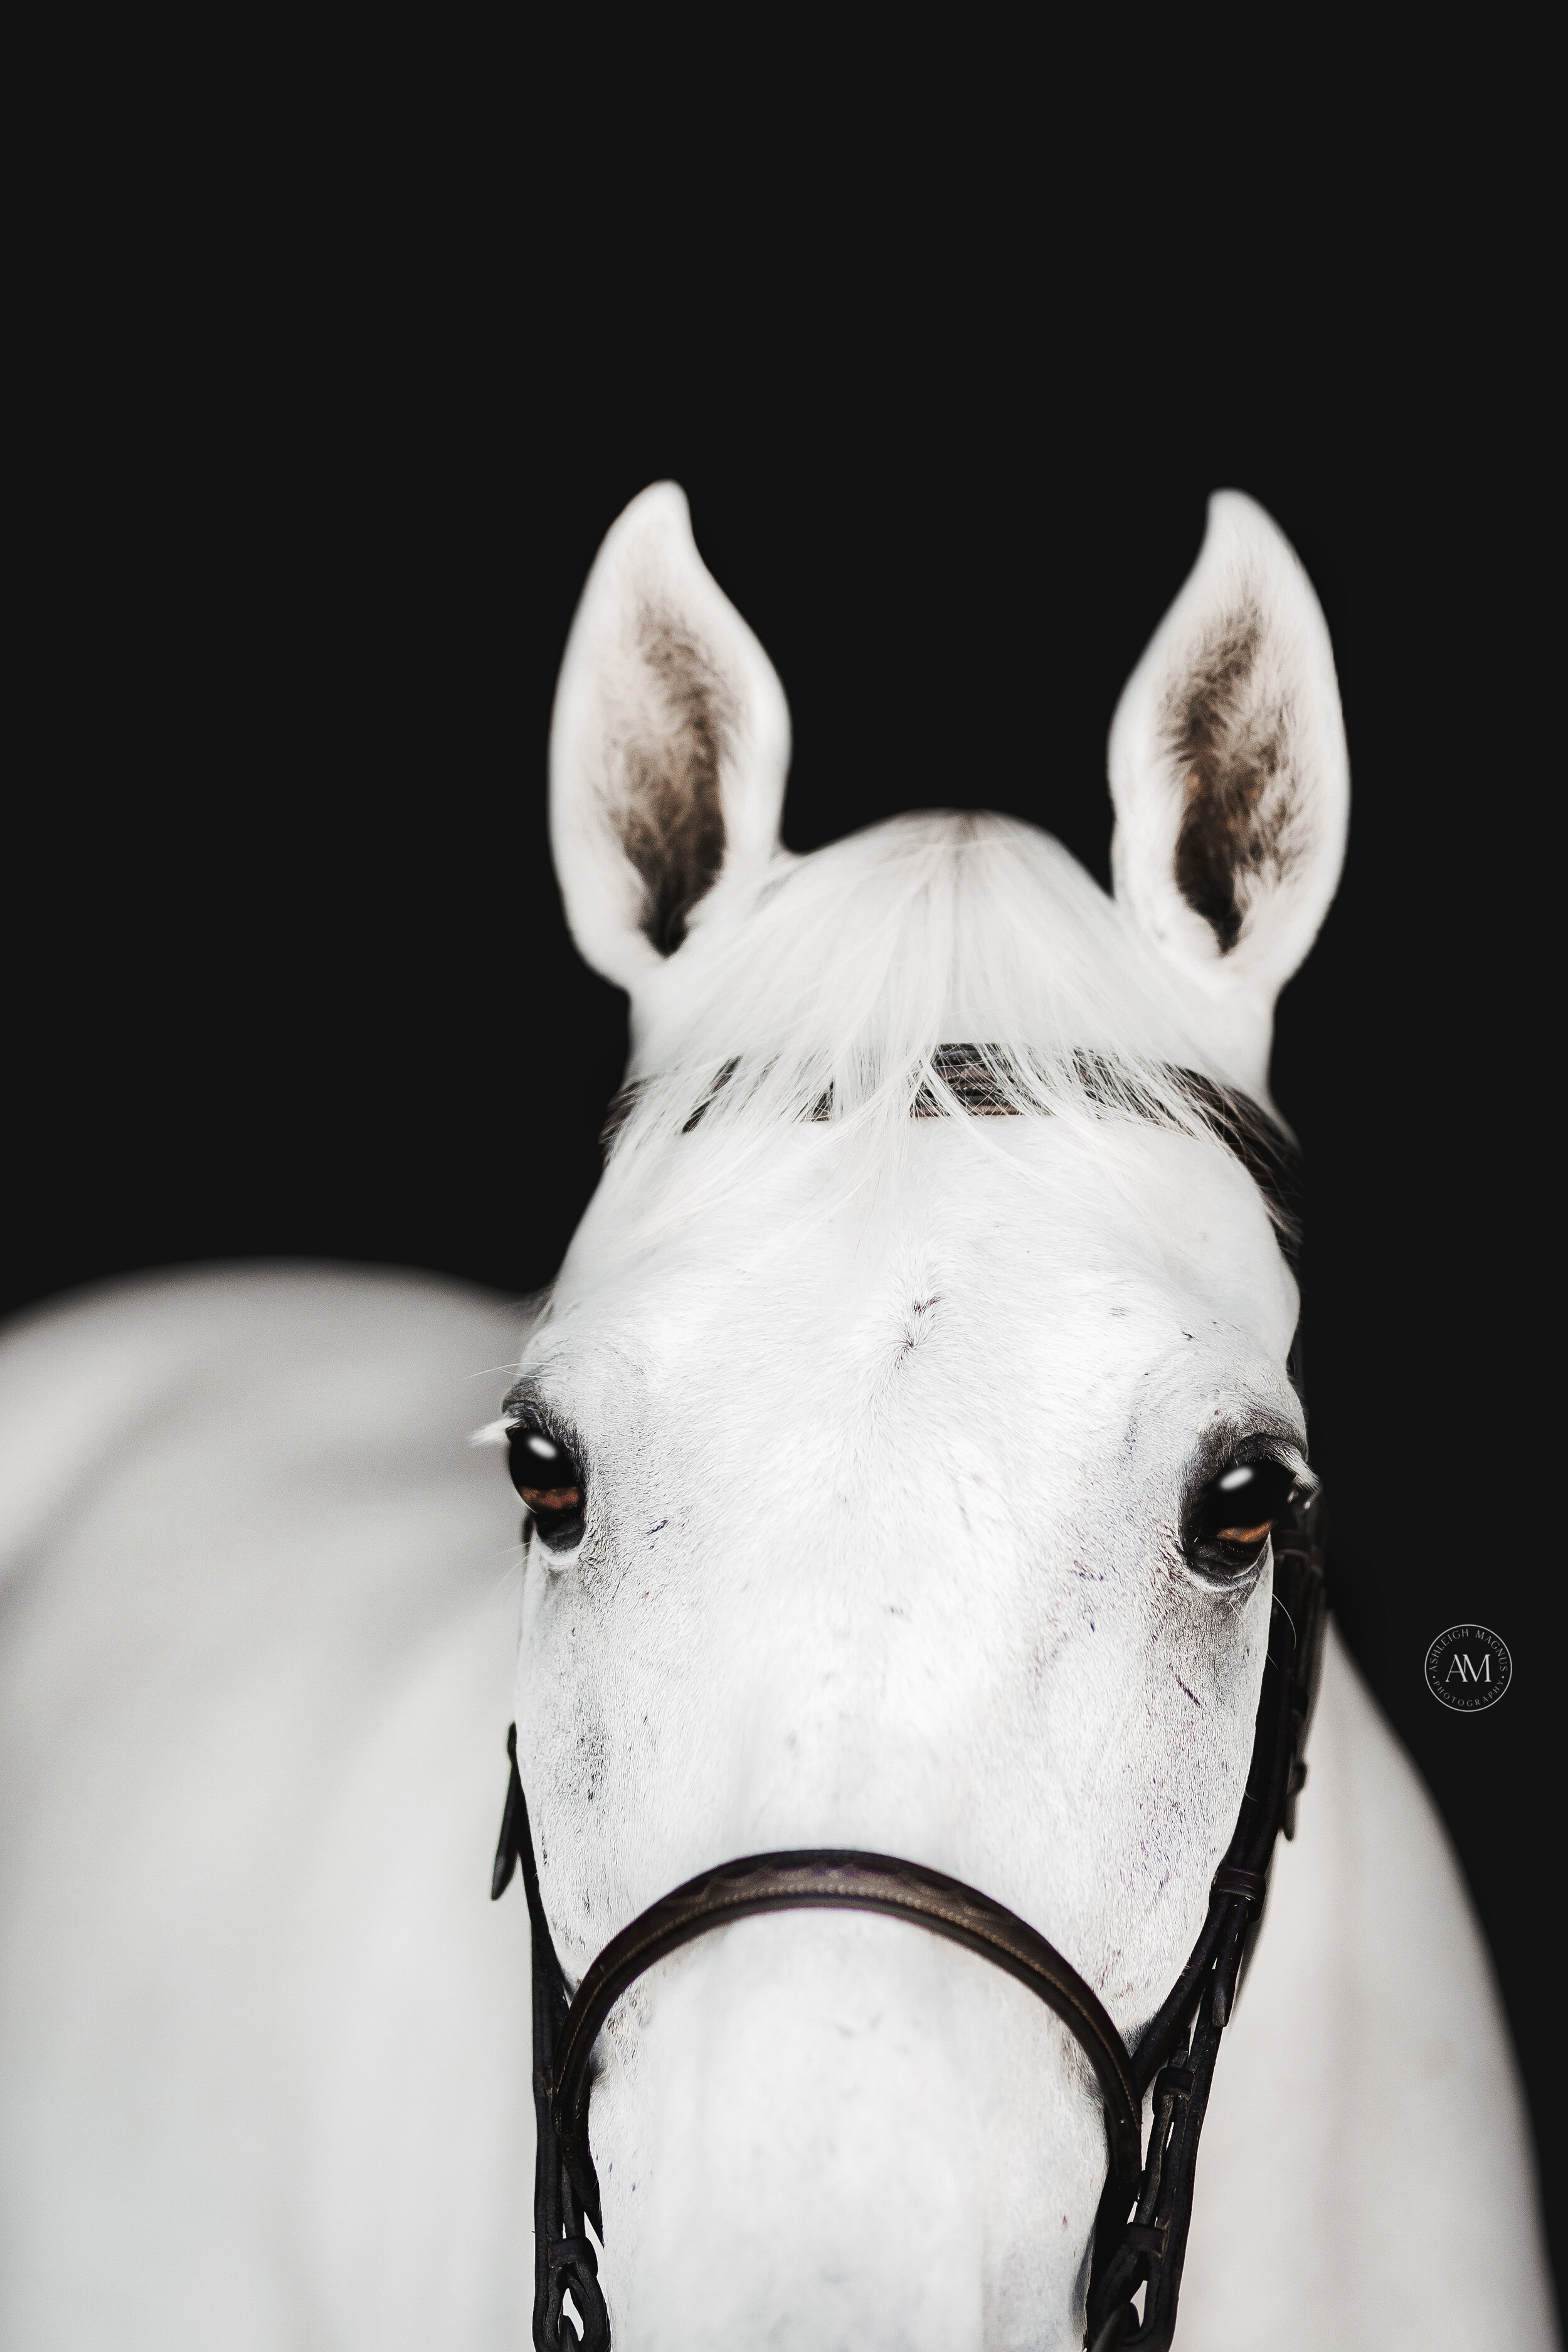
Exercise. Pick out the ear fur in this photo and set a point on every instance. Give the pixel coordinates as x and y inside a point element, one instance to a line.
<point>669,745</point>
<point>1229,777</point>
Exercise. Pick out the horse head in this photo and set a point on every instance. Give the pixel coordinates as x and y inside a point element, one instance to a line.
<point>902,1436</point>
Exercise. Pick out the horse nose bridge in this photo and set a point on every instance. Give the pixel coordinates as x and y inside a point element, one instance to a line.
<point>797,2094</point>
<point>856,1748</point>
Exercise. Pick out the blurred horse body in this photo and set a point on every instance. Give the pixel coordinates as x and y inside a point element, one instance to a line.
<point>265,2040</point>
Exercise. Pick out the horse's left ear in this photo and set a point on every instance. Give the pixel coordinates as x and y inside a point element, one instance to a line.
<point>1230,778</point>
<point>669,745</point>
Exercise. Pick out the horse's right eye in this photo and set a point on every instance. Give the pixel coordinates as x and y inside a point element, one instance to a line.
<point>1235,1515</point>
<point>549,1481</point>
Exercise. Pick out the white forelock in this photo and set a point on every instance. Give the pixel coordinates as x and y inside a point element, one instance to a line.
<point>823,995</point>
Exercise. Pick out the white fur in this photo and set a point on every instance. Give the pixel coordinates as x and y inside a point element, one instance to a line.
<point>832,982</point>
<point>886,1422</point>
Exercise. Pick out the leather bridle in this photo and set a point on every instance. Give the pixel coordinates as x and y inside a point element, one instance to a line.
<point>1141,2231</point>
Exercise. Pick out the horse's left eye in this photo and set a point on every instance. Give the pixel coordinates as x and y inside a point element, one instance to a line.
<point>1236,1512</point>
<point>549,1481</point>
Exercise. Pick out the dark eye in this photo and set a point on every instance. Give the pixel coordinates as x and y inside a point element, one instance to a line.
<point>1235,1513</point>
<point>548,1482</point>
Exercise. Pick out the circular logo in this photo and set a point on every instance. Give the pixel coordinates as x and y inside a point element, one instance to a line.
<point>1468,1668</point>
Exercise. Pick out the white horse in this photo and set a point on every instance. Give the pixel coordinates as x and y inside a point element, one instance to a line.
<point>878,1447</point>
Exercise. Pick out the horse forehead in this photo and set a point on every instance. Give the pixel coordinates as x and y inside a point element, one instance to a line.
<point>981,1254</point>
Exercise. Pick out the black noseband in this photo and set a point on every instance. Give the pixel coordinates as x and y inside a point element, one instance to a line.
<point>1141,2231</point>
<point>835,1880</point>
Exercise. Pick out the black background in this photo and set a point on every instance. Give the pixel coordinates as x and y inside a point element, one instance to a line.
<point>287,969</point>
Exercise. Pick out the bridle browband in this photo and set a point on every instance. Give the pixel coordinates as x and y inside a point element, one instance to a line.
<point>1141,2231</point>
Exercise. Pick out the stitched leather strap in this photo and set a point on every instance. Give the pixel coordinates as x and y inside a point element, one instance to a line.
<point>564,2259</point>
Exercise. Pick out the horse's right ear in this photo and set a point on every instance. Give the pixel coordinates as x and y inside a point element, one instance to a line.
<point>668,746</point>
